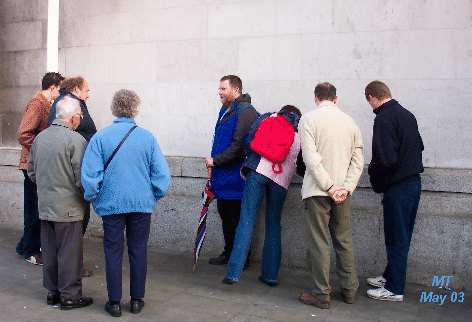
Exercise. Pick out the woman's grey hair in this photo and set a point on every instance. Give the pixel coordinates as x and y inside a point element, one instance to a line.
<point>125,103</point>
<point>67,107</point>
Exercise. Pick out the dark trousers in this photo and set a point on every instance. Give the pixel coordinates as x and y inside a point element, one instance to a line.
<point>86,218</point>
<point>62,256</point>
<point>400,204</point>
<point>30,242</point>
<point>229,211</point>
<point>137,234</point>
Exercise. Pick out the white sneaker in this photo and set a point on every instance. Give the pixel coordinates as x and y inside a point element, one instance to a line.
<point>35,260</point>
<point>378,281</point>
<point>384,295</point>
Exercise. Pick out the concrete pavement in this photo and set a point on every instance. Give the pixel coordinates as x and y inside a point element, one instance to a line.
<point>174,293</point>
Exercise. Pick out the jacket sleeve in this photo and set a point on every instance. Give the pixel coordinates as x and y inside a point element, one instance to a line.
<point>29,126</point>
<point>77,149</point>
<point>92,170</point>
<point>312,158</point>
<point>31,169</point>
<point>384,154</point>
<point>235,150</point>
<point>160,174</point>
<point>357,163</point>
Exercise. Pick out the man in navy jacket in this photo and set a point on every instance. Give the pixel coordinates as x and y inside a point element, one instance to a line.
<point>394,171</point>
<point>227,155</point>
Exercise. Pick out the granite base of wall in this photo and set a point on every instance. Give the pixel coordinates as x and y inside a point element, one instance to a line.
<point>441,245</point>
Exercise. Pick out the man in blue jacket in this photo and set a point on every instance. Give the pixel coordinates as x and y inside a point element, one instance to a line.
<point>394,171</point>
<point>227,155</point>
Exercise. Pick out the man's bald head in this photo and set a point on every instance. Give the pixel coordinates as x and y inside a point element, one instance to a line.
<point>67,107</point>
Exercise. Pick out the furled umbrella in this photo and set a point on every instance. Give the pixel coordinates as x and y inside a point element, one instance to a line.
<point>207,198</point>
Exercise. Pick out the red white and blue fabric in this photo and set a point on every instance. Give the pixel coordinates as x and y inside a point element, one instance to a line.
<point>207,198</point>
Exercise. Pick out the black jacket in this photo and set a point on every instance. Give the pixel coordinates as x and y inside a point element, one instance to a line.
<point>87,127</point>
<point>396,146</point>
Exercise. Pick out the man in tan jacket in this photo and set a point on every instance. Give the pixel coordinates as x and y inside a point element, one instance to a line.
<point>35,119</point>
<point>332,151</point>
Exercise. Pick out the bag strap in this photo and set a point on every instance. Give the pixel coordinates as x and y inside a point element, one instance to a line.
<point>118,147</point>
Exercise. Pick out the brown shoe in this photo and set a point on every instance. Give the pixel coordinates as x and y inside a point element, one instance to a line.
<point>310,299</point>
<point>349,298</point>
<point>86,272</point>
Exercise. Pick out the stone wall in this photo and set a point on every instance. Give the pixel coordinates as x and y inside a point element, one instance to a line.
<point>442,241</point>
<point>173,53</point>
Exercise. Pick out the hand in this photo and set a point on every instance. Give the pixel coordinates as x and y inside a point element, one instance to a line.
<point>209,162</point>
<point>338,194</point>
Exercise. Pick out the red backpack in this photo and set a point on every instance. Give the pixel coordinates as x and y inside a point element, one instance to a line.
<point>273,140</point>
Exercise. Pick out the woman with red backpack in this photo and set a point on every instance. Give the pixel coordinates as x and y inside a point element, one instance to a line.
<point>273,148</point>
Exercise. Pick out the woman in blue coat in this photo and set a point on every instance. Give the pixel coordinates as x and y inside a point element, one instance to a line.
<point>123,188</point>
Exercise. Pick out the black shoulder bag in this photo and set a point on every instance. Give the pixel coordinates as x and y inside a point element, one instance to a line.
<point>118,147</point>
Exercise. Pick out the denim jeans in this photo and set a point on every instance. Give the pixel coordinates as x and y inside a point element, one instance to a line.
<point>400,204</point>
<point>256,186</point>
<point>30,242</point>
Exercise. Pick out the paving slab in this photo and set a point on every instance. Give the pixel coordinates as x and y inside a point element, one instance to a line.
<point>176,294</point>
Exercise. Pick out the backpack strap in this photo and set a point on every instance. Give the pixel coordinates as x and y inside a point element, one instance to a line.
<point>279,170</point>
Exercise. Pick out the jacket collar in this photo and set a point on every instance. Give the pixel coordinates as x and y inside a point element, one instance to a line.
<point>59,122</point>
<point>385,105</point>
<point>124,120</point>
<point>326,104</point>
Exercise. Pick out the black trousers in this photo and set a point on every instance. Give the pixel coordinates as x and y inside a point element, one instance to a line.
<point>30,242</point>
<point>62,255</point>
<point>229,211</point>
<point>86,218</point>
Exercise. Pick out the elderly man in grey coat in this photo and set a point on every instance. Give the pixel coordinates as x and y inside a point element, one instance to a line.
<point>54,164</point>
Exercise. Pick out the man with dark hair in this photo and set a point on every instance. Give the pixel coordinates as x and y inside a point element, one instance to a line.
<point>227,155</point>
<point>333,154</point>
<point>394,171</point>
<point>78,88</point>
<point>34,121</point>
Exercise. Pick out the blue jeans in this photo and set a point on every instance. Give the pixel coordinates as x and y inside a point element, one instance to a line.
<point>400,204</point>
<point>30,243</point>
<point>137,234</point>
<point>256,186</point>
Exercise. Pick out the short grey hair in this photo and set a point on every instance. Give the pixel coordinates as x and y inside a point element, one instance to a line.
<point>67,107</point>
<point>125,103</point>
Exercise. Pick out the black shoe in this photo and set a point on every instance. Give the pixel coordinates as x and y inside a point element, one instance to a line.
<point>53,298</point>
<point>135,306</point>
<point>228,281</point>
<point>266,282</point>
<point>220,260</point>
<point>114,309</point>
<point>76,304</point>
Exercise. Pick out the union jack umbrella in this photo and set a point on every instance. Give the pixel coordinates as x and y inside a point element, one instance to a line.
<point>207,198</point>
